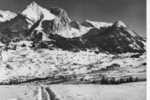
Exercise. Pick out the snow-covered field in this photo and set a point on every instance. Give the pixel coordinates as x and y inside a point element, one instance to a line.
<point>18,93</point>
<point>129,91</point>
<point>24,64</point>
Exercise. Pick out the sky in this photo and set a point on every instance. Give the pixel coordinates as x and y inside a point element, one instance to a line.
<point>131,12</point>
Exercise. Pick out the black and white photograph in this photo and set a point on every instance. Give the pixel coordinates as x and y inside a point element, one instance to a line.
<point>73,50</point>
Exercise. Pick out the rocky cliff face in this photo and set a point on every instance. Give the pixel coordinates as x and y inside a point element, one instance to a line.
<point>16,28</point>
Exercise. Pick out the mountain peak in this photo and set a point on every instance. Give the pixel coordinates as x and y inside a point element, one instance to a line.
<point>34,12</point>
<point>120,23</point>
<point>33,3</point>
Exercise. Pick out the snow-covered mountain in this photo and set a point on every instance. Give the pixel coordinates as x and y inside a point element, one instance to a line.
<point>55,24</point>
<point>54,20</point>
<point>35,42</point>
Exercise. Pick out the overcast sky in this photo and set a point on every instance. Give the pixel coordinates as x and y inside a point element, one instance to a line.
<point>132,12</point>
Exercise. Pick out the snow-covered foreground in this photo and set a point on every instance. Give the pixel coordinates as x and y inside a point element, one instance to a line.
<point>132,91</point>
<point>18,93</point>
<point>24,64</point>
<point>129,91</point>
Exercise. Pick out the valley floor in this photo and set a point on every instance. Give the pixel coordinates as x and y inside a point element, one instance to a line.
<point>128,91</point>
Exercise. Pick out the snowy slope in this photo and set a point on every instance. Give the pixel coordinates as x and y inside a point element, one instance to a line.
<point>98,24</point>
<point>24,64</point>
<point>6,15</point>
